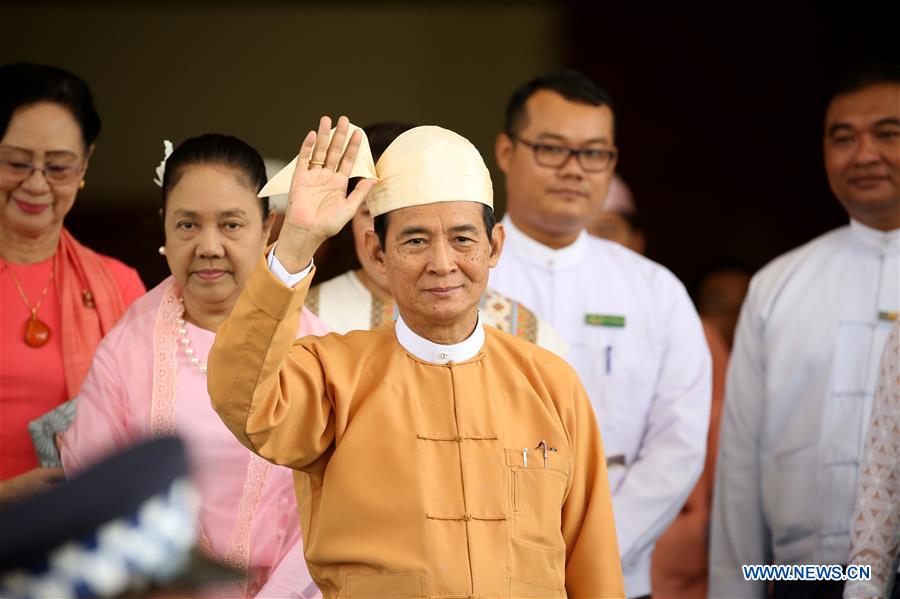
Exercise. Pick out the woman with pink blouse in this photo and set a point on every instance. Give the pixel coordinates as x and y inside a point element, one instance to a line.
<point>148,376</point>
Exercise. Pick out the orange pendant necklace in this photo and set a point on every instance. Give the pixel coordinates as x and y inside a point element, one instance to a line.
<point>37,333</point>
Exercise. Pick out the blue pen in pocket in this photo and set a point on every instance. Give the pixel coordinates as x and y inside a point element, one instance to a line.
<point>608,359</point>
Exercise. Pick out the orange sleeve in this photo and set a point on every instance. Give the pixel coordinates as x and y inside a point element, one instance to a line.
<point>268,391</point>
<point>593,566</point>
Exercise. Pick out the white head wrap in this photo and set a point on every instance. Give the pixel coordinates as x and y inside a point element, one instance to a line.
<point>424,165</point>
<point>278,202</point>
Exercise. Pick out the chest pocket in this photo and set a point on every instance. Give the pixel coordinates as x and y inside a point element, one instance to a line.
<point>536,495</point>
<point>623,367</point>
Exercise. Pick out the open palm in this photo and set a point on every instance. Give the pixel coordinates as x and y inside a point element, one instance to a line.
<point>318,203</point>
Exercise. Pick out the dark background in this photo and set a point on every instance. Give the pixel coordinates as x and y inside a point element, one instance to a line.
<point>720,124</point>
<point>719,119</point>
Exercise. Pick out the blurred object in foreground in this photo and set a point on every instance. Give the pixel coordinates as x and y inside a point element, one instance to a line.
<point>124,527</point>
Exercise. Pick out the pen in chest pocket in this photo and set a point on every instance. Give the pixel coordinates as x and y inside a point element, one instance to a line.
<point>609,350</point>
<point>543,445</point>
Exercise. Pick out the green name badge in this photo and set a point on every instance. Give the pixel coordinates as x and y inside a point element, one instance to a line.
<point>604,320</point>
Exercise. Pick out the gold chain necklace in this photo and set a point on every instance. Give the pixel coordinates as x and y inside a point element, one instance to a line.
<point>37,333</point>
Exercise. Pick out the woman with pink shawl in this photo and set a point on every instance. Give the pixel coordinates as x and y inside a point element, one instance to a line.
<point>148,377</point>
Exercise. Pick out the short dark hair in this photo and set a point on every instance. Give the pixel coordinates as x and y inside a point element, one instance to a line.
<point>863,76</point>
<point>24,84</point>
<point>380,224</point>
<point>572,85</point>
<point>215,148</point>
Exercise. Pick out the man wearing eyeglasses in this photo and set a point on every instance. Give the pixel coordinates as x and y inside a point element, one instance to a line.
<point>636,340</point>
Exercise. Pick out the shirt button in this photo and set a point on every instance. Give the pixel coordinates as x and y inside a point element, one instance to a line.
<point>458,438</point>
<point>467,517</point>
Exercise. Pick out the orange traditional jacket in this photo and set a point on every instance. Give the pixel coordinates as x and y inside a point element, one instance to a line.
<point>410,475</point>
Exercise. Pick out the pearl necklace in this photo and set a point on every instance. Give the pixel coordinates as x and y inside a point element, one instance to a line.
<point>181,334</point>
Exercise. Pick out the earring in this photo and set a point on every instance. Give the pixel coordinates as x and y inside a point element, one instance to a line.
<point>162,250</point>
<point>82,184</point>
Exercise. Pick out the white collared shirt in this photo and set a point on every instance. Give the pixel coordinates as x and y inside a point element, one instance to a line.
<point>798,399</point>
<point>649,380</point>
<point>416,345</point>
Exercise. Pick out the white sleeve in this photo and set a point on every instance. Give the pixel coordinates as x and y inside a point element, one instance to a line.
<point>739,531</point>
<point>673,450</point>
<point>278,269</point>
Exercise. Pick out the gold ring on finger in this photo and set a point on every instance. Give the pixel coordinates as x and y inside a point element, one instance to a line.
<point>317,163</point>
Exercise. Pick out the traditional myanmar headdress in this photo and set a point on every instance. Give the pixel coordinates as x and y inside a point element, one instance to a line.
<point>424,165</point>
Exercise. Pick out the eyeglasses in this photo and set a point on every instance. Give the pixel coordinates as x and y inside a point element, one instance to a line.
<point>16,166</point>
<point>592,160</point>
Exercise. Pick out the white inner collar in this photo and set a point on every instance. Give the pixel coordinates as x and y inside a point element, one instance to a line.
<point>883,242</point>
<point>538,253</point>
<point>436,353</point>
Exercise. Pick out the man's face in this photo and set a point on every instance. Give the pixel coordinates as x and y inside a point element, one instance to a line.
<point>436,260</point>
<point>862,154</point>
<point>555,201</point>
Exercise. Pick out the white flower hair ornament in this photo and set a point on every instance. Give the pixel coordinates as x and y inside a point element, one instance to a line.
<point>161,169</point>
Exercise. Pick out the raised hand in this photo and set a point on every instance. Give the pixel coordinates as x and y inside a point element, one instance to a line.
<point>318,204</point>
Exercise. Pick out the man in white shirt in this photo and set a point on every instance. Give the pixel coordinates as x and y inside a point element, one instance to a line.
<point>802,374</point>
<point>635,338</point>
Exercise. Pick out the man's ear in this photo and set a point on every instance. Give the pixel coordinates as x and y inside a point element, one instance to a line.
<point>498,237</point>
<point>375,252</point>
<point>503,148</point>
